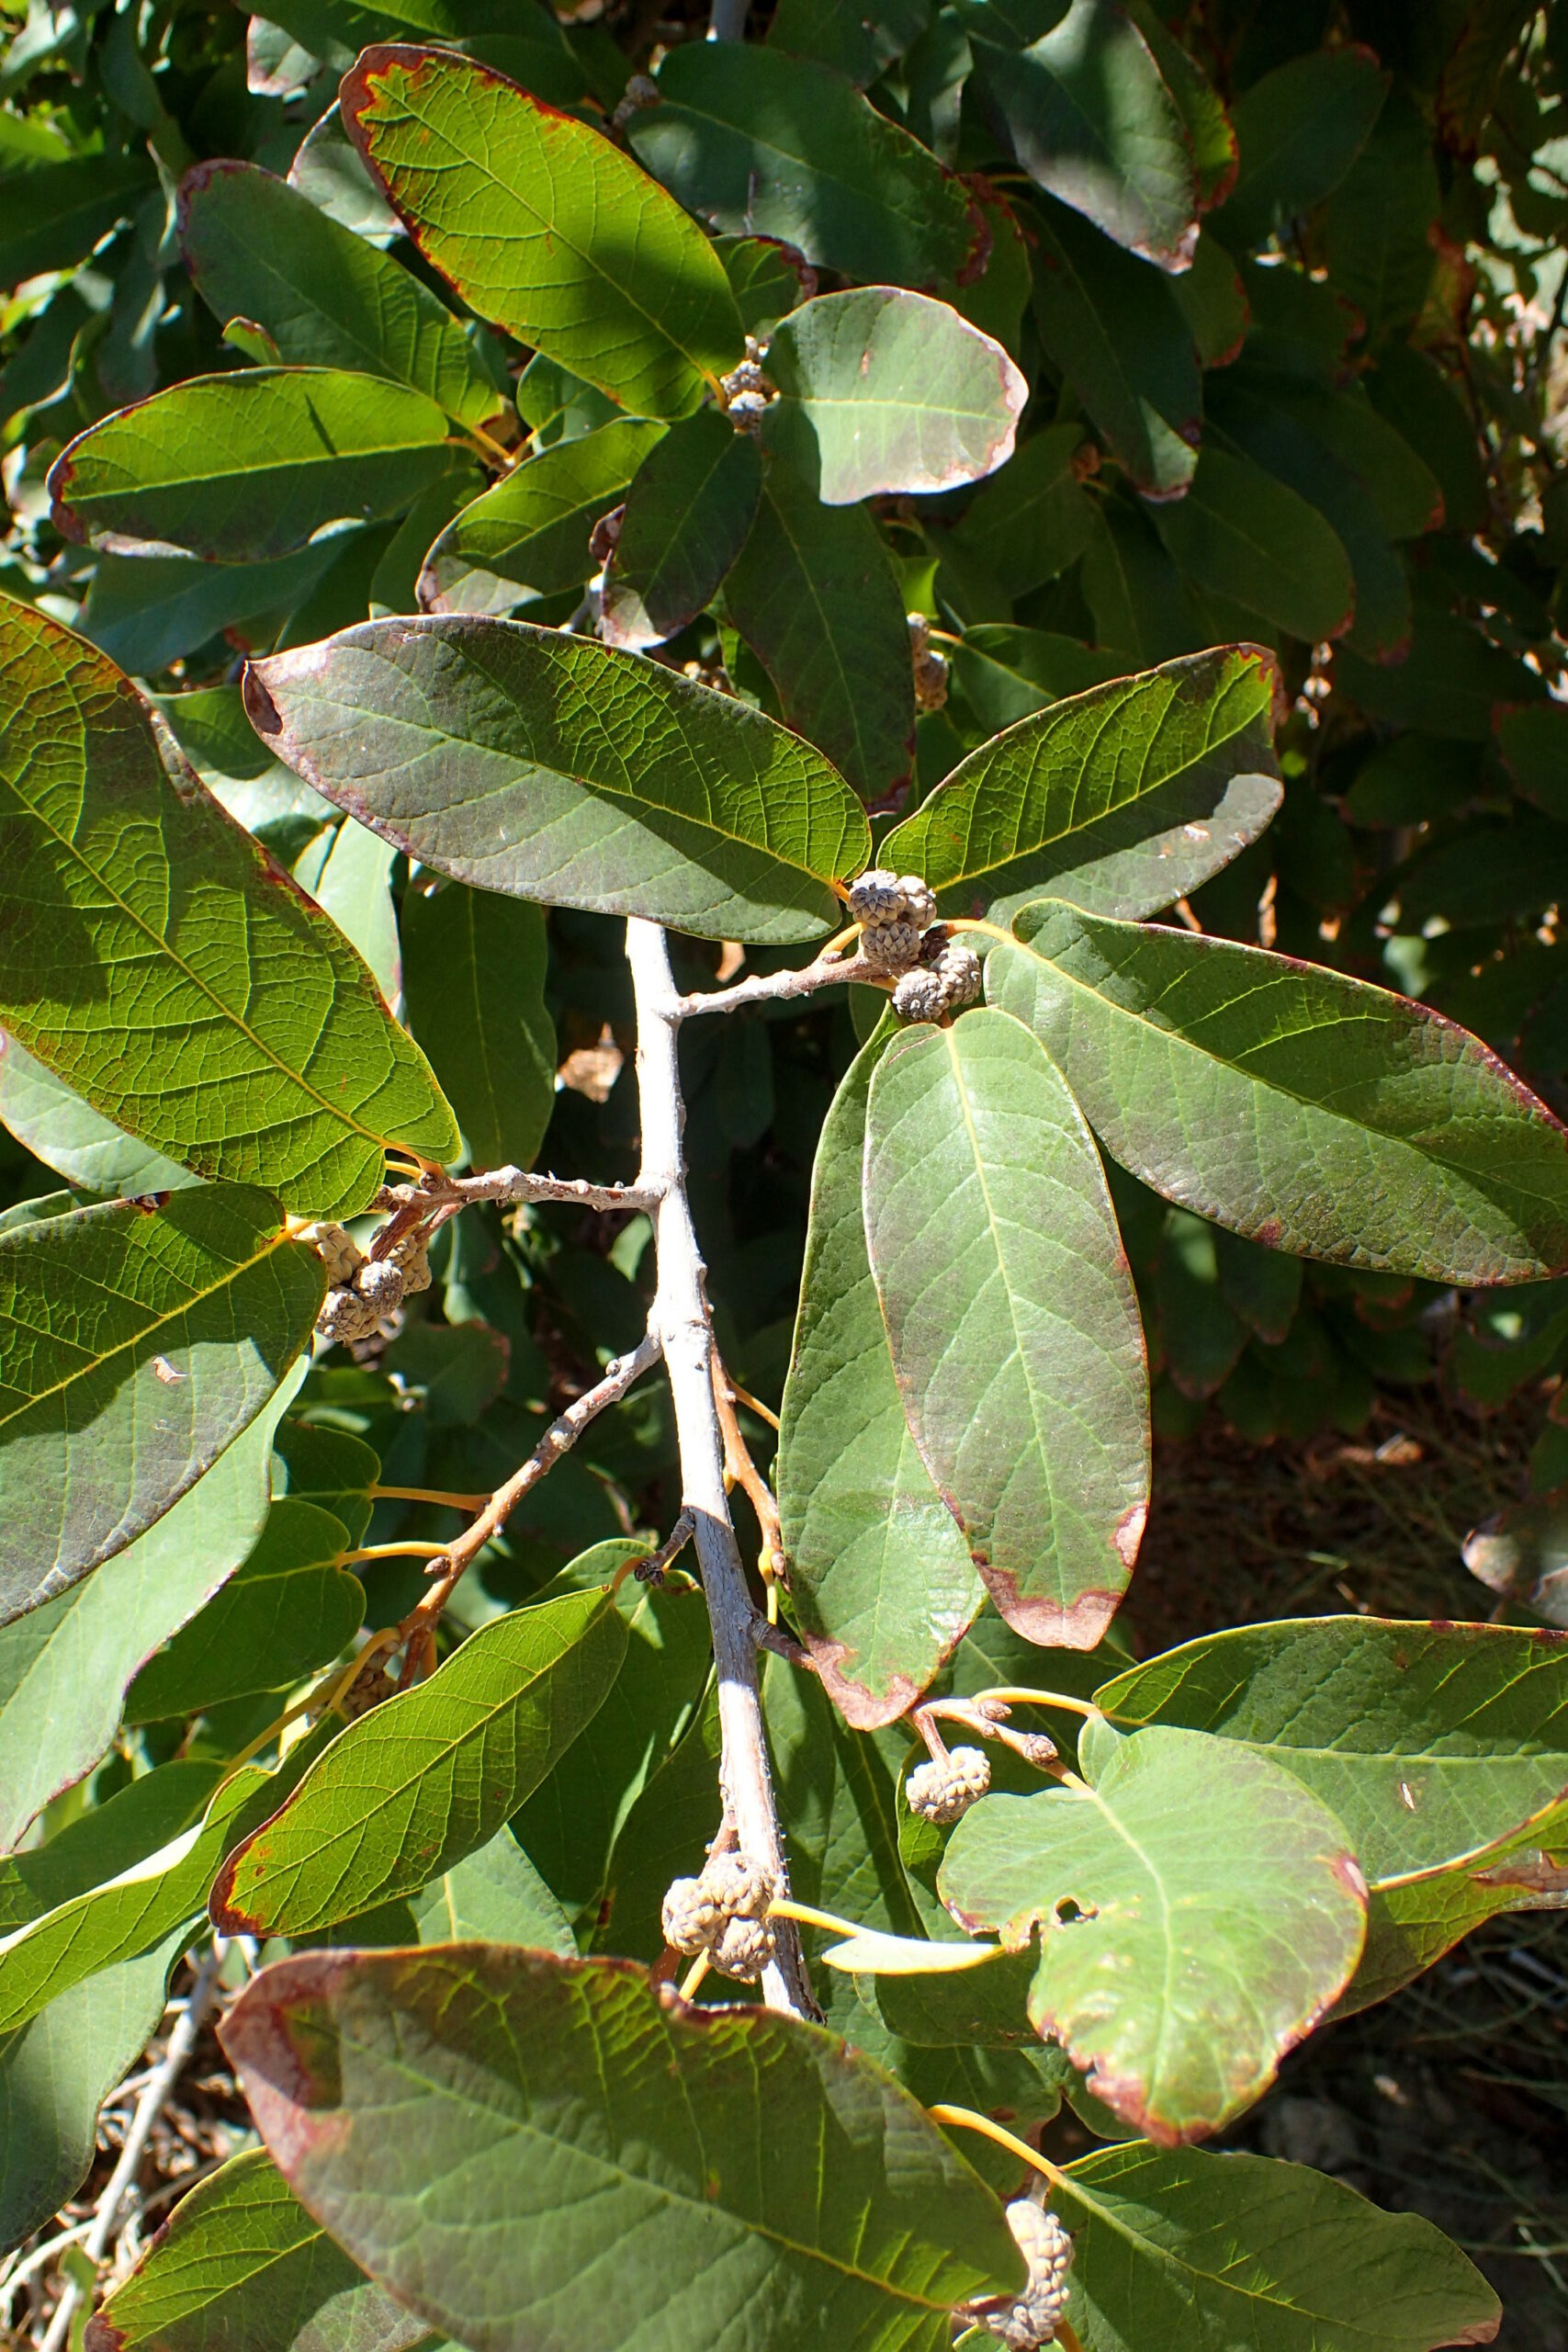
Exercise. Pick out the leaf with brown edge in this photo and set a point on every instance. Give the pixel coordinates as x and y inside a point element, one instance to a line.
<point>1199,1912</point>
<point>880,1575</point>
<point>1011,1314</point>
<point>528,2149</point>
<point>545,226</point>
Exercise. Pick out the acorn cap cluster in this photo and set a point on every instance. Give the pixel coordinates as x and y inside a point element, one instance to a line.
<point>1033,2318</point>
<point>723,1912</point>
<point>899,934</point>
<point>943,1790</point>
<point>364,1290</point>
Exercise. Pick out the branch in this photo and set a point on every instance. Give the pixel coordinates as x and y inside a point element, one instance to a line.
<point>419,1626</point>
<point>727,20</point>
<point>771,988</point>
<point>182,2041</point>
<point>511,1186</point>
<point>680,1317</point>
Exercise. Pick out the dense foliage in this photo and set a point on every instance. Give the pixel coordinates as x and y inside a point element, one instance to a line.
<point>993,568</point>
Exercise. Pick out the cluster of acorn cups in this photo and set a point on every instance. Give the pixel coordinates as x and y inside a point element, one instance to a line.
<point>899,934</point>
<point>364,1291</point>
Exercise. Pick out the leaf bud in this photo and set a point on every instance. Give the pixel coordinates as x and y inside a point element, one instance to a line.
<point>744,1949</point>
<point>918,996</point>
<point>890,946</point>
<point>345,1316</point>
<point>738,1887</point>
<point>689,1917</point>
<point>381,1285</point>
<point>958,969</point>
<point>877,895</point>
<point>943,1790</point>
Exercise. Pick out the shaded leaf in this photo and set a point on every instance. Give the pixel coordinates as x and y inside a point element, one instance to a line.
<point>1410,1926</point>
<point>527,537</point>
<point>316,1463</point>
<point>495,1893</point>
<point>503,755</point>
<point>135,1345</point>
<point>1299,1106</point>
<point>1091,118</point>
<point>1429,1742</point>
<point>244,467</point>
<point>147,611</point>
<point>1124,797</point>
<point>288,1608</point>
<point>814,597</point>
<point>477,2062</point>
<point>767,277</point>
<point>509,199</point>
<point>569,1825</point>
<point>70,1662</point>
<point>126,888</point>
<point>257,249</point>
<point>241,2266</point>
<point>756,142</point>
<point>429,1775</point>
<point>55,213</point>
<point>1245,536</point>
<point>1299,130</point>
<point>1198,1911</point>
<point>879,1574</point>
<point>55,2073</point>
<point>1522,1553</point>
<point>475,975</point>
<point>1010,1315</point>
<point>901,394</point>
<point>1223,2249</point>
<point>355,886</point>
<point>329,168</point>
<point>1380,251</point>
<point>1533,741</point>
<point>687,513</point>
<point>1007,673</point>
<point>1118,333</point>
<point>1029,523</point>
<point>89,1152</point>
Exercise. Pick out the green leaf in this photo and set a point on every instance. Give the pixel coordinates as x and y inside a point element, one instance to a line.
<point>1118,333</point>
<point>481,2067</point>
<point>258,250</point>
<point>767,279</point>
<point>814,597</point>
<point>147,611</point>
<point>1430,1742</point>
<point>242,2267</point>
<point>1533,741</point>
<point>55,214</point>
<point>428,1776</point>
<point>758,143</point>
<point>1220,2250</point>
<point>1031,523</point>
<point>494,751</point>
<point>474,971</point>
<point>879,1574</point>
<point>329,169</point>
<point>288,1608</point>
<point>1198,1911</point>
<point>495,1894</point>
<point>1379,250</point>
<point>1011,1318</point>
<point>327,1466</point>
<point>902,394</point>
<point>210,727</point>
<point>510,200</point>
<point>1213,302</point>
<point>1299,130</point>
<point>1006,674</point>
<point>1123,798</point>
<point>1409,1928</point>
<point>135,1344</point>
<point>242,468</point>
<point>1449,683</point>
<point>55,2073</point>
<point>1091,118</point>
<point>105,1839</point>
<point>355,886</point>
<point>128,898</point>
<point>130,1914</point>
<point>1298,1106</point>
<point>69,1663</point>
<point>1244,535</point>
<point>527,537</point>
<point>89,1152</point>
<point>687,513</point>
<point>569,1826</point>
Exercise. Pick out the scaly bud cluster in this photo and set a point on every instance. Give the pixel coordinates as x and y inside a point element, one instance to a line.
<point>724,1914</point>
<point>747,393</point>
<point>1034,2316</point>
<point>931,668</point>
<point>364,1290</point>
<point>946,980</point>
<point>945,1788</point>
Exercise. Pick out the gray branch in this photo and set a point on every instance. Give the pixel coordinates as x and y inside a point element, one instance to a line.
<point>679,1317</point>
<point>770,987</point>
